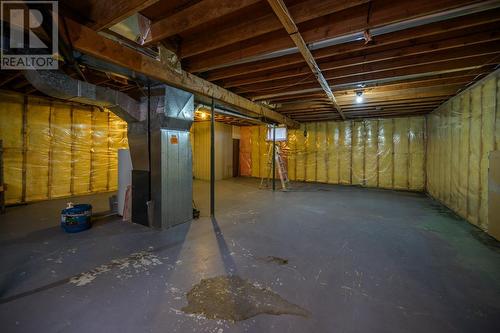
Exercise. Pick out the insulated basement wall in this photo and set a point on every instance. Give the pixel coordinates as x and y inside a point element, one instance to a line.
<point>461,134</point>
<point>54,149</point>
<point>201,150</point>
<point>385,153</point>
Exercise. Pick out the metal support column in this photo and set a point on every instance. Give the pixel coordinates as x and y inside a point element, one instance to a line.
<point>274,157</point>
<point>212,159</point>
<point>149,141</point>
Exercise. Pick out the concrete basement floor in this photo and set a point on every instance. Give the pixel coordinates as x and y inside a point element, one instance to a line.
<point>359,260</point>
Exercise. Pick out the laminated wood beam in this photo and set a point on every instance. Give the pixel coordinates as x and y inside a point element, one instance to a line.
<point>193,16</point>
<point>284,16</point>
<point>89,42</point>
<point>325,27</point>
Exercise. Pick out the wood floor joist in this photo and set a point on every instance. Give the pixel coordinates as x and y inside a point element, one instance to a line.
<point>404,57</point>
<point>196,15</point>
<point>286,19</point>
<point>374,63</point>
<point>89,42</point>
<point>326,27</point>
<point>301,12</point>
<point>104,14</point>
<point>408,37</point>
<point>468,74</point>
<point>361,75</point>
<point>456,48</point>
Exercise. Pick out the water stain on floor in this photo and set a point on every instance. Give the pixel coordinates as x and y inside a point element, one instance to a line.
<point>233,298</point>
<point>275,260</point>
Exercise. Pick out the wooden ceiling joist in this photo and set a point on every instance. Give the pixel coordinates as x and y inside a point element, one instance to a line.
<point>285,18</point>
<point>104,14</point>
<point>374,62</point>
<point>472,44</point>
<point>429,33</point>
<point>250,54</point>
<point>361,75</point>
<point>301,12</point>
<point>196,15</point>
<point>89,42</point>
<point>325,27</point>
<point>293,96</point>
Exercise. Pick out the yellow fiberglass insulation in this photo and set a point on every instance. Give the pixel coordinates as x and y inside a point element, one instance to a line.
<point>386,153</point>
<point>461,134</point>
<point>54,149</point>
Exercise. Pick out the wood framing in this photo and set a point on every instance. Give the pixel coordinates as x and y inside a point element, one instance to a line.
<point>104,14</point>
<point>89,42</point>
<point>198,14</point>
<point>270,61</point>
<point>285,18</point>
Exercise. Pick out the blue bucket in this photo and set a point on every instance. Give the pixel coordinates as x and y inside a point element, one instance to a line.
<point>77,218</point>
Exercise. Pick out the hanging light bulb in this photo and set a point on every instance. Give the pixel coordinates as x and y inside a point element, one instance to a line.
<point>359,97</point>
<point>203,115</point>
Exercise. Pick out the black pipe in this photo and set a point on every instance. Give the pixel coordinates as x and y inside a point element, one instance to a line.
<point>274,157</point>
<point>212,160</point>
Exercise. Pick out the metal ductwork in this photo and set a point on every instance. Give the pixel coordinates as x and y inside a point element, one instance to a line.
<point>159,142</point>
<point>60,85</point>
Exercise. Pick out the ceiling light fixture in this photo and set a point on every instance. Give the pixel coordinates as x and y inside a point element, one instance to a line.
<point>359,97</point>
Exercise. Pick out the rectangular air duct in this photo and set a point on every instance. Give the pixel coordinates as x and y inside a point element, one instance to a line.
<point>162,166</point>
